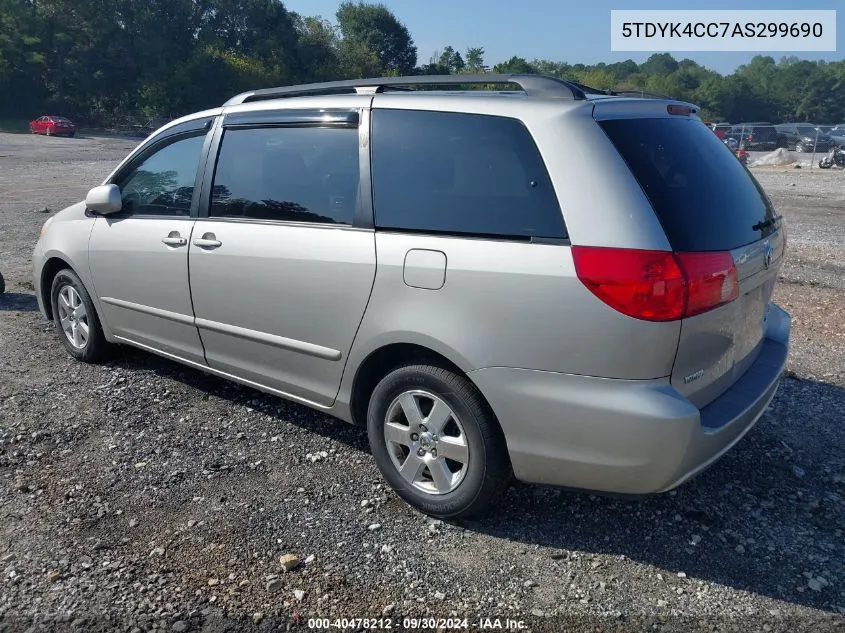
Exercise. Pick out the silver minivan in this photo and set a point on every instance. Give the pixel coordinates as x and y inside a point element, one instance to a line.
<point>563,287</point>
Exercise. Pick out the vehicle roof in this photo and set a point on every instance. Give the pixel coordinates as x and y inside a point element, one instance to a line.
<point>502,103</point>
<point>536,92</point>
<point>532,88</point>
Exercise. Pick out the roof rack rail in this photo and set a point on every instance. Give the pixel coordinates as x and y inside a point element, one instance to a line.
<point>639,93</point>
<point>589,89</point>
<point>539,86</point>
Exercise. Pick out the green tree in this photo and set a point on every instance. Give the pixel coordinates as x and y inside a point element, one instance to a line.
<point>317,48</point>
<point>98,59</point>
<point>22,59</point>
<point>475,60</point>
<point>659,64</point>
<point>515,65</point>
<point>451,60</point>
<point>375,28</point>
<point>358,60</point>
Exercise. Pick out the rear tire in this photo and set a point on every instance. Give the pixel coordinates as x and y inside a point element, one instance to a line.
<point>48,133</point>
<point>76,320</point>
<point>436,441</point>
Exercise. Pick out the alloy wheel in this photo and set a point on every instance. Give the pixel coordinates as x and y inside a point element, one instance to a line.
<point>73,317</point>
<point>426,442</point>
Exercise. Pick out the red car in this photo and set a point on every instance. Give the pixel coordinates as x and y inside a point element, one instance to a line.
<point>52,126</point>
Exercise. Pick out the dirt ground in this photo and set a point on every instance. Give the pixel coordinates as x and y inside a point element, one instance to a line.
<point>142,495</point>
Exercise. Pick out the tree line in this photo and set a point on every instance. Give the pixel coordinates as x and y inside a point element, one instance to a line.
<point>93,59</point>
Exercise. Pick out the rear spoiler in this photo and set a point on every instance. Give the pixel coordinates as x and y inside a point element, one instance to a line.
<point>634,107</point>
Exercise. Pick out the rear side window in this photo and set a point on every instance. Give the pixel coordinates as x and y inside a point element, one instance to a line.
<point>466,174</point>
<point>764,131</point>
<point>294,174</point>
<point>705,199</point>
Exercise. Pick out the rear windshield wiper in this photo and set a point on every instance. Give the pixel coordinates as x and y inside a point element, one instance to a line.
<point>766,223</point>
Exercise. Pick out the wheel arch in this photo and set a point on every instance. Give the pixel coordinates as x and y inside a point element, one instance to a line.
<point>48,273</point>
<point>379,362</point>
<point>49,270</point>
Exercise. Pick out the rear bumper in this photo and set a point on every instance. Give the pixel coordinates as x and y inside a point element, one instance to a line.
<point>626,436</point>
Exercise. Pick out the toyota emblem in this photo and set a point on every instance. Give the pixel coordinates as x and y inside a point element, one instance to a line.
<point>767,256</point>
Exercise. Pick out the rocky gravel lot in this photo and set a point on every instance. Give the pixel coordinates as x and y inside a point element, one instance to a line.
<point>141,495</point>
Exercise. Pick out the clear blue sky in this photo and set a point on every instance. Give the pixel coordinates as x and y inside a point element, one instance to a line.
<point>555,29</point>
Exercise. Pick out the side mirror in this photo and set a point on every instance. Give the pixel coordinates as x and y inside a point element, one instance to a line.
<point>104,199</point>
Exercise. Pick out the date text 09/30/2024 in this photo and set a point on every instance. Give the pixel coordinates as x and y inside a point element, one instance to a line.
<point>416,624</point>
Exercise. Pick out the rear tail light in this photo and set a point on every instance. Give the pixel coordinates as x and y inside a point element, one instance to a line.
<point>711,280</point>
<point>657,285</point>
<point>642,284</point>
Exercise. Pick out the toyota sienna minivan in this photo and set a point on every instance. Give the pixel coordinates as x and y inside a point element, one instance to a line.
<point>539,283</point>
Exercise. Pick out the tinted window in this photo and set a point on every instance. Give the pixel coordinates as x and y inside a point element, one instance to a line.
<point>764,131</point>
<point>460,173</point>
<point>302,174</point>
<point>705,199</point>
<point>163,184</point>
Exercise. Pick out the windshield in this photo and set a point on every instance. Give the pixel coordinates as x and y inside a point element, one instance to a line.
<point>808,131</point>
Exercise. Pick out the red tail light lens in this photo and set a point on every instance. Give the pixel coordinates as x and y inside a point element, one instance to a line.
<point>645,285</point>
<point>711,280</point>
<point>657,285</point>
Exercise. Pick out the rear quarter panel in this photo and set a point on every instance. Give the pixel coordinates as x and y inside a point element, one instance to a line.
<point>508,304</point>
<point>517,304</point>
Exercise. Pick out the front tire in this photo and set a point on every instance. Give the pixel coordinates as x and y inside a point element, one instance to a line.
<point>799,147</point>
<point>436,441</point>
<point>76,320</point>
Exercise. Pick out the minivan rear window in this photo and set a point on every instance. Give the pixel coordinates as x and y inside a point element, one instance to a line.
<point>705,199</point>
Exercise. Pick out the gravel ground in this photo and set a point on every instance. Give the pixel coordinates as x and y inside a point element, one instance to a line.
<point>141,495</point>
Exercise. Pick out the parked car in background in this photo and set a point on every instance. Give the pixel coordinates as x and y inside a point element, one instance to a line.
<point>448,275</point>
<point>755,136</point>
<point>837,135</point>
<point>803,137</point>
<point>52,126</point>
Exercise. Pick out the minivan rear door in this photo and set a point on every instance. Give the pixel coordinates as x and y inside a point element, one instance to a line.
<point>707,202</point>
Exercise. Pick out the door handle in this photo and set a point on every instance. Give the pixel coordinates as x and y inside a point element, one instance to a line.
<point>174,239</point>
<point>208,240</point>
